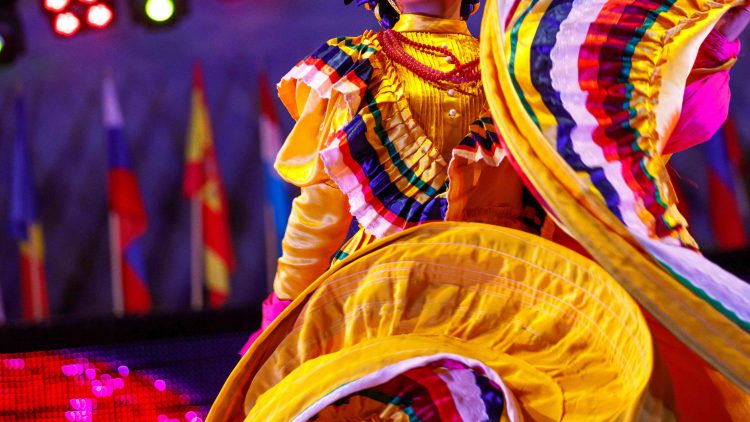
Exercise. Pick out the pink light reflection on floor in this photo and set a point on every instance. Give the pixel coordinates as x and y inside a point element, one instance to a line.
<point>52,385</point>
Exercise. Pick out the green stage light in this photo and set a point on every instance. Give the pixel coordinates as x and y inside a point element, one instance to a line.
<point>156,14</point>
<point>2,44</point>
<point>160,10</point>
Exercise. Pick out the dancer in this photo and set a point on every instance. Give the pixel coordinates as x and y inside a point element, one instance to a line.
<point>381,135</point>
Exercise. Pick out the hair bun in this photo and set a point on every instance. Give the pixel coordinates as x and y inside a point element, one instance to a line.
<point>388,16</point>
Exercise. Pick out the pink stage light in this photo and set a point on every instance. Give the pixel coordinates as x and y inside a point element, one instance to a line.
<point>71,17</point>
<point>123,370</point>
<point>56,5</point>
<point>67,24</point>
<point>82,386</point>
<point>99,16</point>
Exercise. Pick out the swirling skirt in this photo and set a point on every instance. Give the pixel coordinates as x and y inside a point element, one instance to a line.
<point>449,321</point>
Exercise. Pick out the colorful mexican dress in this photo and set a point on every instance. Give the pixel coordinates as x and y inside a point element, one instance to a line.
<point>375,143</point>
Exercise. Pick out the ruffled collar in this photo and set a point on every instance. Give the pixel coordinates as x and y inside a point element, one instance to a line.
<point>421,23</point>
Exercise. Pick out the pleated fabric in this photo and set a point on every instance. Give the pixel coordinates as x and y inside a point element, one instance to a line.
<point>584,94</point>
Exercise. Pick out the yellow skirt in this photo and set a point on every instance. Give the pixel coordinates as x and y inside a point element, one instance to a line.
<point>549,330</point>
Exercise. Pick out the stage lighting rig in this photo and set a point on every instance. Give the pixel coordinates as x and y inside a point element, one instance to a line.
<point>12,42</point>
<point>68,17</point>
<point>157,14</point>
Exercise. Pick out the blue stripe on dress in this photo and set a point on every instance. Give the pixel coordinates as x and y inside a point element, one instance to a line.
<point>541,66</point>
<point>405,207</point>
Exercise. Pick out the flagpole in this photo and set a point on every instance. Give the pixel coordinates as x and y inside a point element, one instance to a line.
<point>36,300</point>
<point>196,253</point>
<point>118,304</point>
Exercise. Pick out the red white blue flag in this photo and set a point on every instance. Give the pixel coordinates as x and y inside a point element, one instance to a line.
<point>127,216</point>
<point>25,225</point>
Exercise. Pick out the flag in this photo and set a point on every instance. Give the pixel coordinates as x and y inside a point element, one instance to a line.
<point>726,193</point>
<point>278,195</point>
<point>25,226</point>
<point>127,216</point>
<point>212,244</point>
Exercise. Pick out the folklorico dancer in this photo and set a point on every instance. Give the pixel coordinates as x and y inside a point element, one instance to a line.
<point>519,254</point>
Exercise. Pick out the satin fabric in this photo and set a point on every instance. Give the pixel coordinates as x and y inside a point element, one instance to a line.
<point>705,104</point>
<point>320,217</point>
<point>320,113</point>
<point>317,227</point>
<point>549,323</point>
<point>569,196</point>
<point>335,369</point>
<point>430,105</point>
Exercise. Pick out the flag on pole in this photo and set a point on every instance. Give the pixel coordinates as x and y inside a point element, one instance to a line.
<point>278,195</point>
<point>25,226</point>
<point>127,216</point>
<point>212,254</point>
<point>727,199</point>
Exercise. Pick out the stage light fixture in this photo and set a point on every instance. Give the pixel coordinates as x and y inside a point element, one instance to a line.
<point>99,16</point>
<point>56,5</point>
<point>159,10</point>
<point>67,24</point>
<point>158,13</point>
<point>12,42</point>
<point>69,17</point>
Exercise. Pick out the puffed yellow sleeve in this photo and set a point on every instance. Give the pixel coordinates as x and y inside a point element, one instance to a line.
<point>317,227</point>
<point>298,161</point>
<point>322,93</point>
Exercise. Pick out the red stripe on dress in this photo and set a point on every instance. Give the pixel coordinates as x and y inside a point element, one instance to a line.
<point>441,395</point>
<point>369,197</point>
<point>597,78</point>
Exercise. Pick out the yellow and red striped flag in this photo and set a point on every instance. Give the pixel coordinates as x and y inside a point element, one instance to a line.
<point>212,254</point>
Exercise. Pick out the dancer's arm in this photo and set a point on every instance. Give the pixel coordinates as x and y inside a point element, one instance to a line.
<point>320,217</point>
<point>317,227</point>
<point>706,101</point>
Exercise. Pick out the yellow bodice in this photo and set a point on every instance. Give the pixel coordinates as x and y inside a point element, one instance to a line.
<point>325,96</point>
<point>444,113</point>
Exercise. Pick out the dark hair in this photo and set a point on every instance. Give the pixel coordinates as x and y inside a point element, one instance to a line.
<point>389,16</point>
